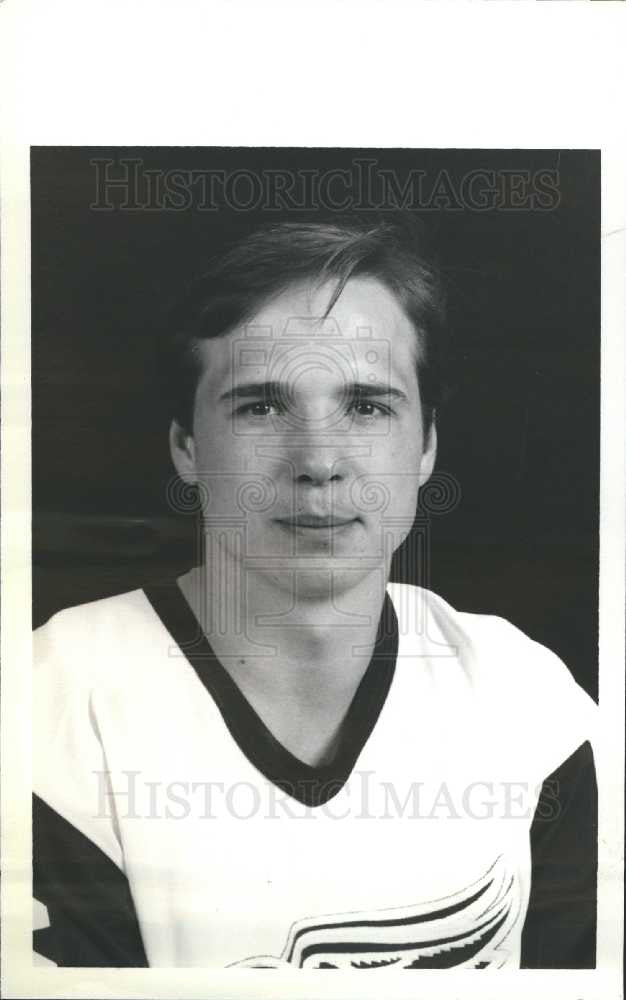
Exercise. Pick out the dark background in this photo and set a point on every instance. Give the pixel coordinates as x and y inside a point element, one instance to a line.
<point>520,433</point>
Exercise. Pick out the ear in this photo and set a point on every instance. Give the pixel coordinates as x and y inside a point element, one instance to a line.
<point>183,452</point>
<point>429,454</point>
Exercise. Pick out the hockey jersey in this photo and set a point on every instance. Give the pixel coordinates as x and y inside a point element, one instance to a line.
<point>453,828</point>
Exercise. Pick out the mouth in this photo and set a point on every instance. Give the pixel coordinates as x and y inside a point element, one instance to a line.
<point>315,522</point>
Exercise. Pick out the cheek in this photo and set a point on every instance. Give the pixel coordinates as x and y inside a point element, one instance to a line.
<point>403,453</point>
<point>217,448</point>
<point>402,462</point>
<point>235,476</point>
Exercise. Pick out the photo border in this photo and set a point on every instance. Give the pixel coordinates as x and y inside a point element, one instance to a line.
<point>51,113</point>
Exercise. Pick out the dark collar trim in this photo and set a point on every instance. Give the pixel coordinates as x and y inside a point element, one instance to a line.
<point>312,786</point>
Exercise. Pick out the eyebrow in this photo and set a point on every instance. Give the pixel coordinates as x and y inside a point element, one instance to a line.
<point>279,389</point>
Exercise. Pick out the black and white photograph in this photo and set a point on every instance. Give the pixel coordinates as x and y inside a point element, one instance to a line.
<point>314,569</point>
<point>319,647</point>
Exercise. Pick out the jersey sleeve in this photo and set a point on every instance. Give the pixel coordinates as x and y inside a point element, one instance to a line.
<point>560,927</point>
<point>83,912</point>
<point>545,727</point>
<point>534,707</point>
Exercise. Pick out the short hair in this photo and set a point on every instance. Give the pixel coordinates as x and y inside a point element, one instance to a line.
<point>268,261</point>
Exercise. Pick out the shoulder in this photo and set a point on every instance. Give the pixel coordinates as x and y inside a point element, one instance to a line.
<point>492,649</point>
<point>98,635</point>
<point>520,686</point>
<point>97,650</point>
<point>79,654</point>
<point>109,613</point>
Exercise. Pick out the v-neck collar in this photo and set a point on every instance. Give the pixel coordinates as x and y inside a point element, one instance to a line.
<point>310,785</point>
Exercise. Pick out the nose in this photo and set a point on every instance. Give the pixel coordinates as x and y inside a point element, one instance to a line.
<point>316,460</point>
<point>317,465</point>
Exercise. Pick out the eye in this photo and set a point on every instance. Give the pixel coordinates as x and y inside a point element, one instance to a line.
<point>367,409</point>
<point>260,408</point>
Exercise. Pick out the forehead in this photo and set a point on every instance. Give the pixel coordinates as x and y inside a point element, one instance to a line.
<point>367,322</point>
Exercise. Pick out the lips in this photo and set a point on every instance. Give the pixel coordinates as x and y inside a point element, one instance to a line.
<point>316,521</point>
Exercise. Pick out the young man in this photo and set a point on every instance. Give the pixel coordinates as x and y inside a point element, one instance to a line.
<point>283,759</point>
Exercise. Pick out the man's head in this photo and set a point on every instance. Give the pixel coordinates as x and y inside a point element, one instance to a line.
<point>270,260</point>
<point>307,370</point>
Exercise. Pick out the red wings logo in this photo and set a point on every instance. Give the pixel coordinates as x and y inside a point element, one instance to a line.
<point>467,930</point>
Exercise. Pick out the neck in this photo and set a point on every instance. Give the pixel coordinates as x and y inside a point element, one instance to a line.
<point>296,652</point>
<point>308,620</point>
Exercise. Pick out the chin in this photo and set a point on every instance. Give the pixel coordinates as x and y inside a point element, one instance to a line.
<point>327,581</point>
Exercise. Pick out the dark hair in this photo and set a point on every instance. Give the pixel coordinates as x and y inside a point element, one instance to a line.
<point>268,261</point>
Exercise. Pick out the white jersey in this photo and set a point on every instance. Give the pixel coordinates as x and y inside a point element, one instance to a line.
<point>173,829</point>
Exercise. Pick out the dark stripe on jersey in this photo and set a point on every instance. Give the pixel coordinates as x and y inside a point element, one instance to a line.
<point>560,927</point>
<point>409,921</point>
<point>313,786</point>
<point>454,949</point>
<point>90,907</point>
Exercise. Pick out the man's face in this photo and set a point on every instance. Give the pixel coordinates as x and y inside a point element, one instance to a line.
<point>307,437</point>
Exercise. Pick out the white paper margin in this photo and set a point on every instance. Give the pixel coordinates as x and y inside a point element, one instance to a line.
<point>458,74</point>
